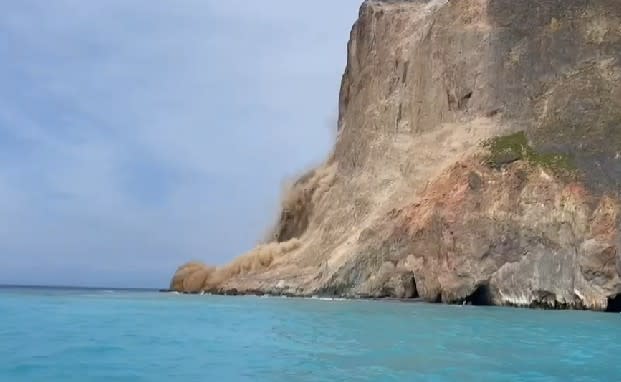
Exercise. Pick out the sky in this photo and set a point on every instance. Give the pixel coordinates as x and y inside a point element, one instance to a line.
<point>136,135</point>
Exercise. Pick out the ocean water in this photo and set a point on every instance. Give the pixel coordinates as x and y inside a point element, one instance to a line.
<point>95,335</point>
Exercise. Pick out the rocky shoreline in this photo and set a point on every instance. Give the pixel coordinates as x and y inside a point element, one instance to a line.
<point>614,307</point>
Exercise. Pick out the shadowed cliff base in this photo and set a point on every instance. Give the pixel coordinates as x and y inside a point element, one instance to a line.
<point>478,161</point>
<point>614,304</point>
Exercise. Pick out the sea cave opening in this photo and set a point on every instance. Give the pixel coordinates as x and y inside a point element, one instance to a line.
<point>614,304</point>
<point>481,296</point>
<point>414,291</point>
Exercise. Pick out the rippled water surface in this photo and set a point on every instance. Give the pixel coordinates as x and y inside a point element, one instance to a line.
<point>87,335</point>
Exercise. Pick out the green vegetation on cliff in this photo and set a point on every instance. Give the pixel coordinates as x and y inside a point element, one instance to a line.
<point>510,148</point>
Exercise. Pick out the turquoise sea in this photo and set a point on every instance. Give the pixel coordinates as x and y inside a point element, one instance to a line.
<point>105,335</point>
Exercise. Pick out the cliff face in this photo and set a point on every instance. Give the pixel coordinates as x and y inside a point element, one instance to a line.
<point>478,160</point>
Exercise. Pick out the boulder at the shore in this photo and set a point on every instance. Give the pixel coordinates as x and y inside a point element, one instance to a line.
<point>478,160</point>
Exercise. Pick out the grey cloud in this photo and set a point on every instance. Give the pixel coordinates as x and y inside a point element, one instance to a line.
<point>136,135</point>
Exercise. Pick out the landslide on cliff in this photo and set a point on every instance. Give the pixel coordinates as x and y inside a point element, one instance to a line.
<point>478,160</point>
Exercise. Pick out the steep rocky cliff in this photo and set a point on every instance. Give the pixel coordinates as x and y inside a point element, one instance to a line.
<point>478,160</point>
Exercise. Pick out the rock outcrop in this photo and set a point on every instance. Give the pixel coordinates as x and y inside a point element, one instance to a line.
<point>478,160</point>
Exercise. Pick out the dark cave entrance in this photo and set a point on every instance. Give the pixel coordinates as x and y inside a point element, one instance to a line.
<point>414,291</point>
<point>482,296</point>
<point>614,304</point>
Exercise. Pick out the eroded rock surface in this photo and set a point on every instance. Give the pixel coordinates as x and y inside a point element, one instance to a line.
<point>478,160</point>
